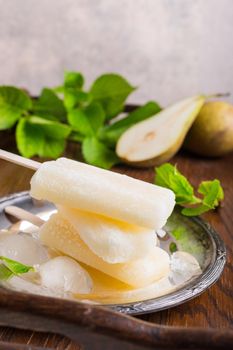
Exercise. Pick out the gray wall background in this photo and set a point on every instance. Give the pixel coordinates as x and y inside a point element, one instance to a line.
<point>170,48</point>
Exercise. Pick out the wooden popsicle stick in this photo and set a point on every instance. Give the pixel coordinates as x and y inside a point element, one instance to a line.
<point>22,214</point>
<point>16,159</point>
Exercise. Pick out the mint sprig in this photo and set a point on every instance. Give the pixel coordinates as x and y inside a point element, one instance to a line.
<point>167,175</point>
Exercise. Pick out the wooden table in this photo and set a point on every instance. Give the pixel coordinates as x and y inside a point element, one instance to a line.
<point>214,308</point>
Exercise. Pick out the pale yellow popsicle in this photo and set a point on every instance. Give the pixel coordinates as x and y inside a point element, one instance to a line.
<point>78,185</point>
<point>59,234</point>
<point>108,290</point>
<point>112,240</point>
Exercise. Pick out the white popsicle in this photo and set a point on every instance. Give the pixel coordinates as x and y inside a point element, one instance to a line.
<point>59,234</point>
<point>112,240</point>
<point>78,185</point>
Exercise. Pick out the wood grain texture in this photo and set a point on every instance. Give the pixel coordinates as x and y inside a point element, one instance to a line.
<point>214,308</point>
<point>97,328</point>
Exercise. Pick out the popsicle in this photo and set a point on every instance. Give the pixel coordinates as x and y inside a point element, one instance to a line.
<point>77,185</point>
<point>112,240</point>
<point>59,234</point>
<point>108,290</point>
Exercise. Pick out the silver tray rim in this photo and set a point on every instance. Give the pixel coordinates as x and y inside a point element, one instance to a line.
<point>191,290</point>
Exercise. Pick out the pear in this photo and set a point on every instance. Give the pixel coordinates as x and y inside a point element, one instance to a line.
<point>157,139</point>
<point>212,132</point>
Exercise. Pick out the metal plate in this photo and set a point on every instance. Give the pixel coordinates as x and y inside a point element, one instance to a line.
<point>192,235</point>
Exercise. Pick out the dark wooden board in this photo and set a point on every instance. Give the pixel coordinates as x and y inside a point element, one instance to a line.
<point>214,308</point>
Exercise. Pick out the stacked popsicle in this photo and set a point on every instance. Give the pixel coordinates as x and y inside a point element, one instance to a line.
<point>105,220</point>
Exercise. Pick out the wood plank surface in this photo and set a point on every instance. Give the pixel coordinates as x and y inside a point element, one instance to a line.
<point>214,308</point>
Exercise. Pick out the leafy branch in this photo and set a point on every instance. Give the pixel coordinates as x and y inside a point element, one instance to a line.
<point>69,112</point>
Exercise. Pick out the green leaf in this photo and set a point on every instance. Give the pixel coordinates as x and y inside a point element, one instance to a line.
<point>213,194</point>
<point>138,115</point>
<point>168,176</point>
<point>75,98</point>
<point>97,153</point>
<point>76,136</point>
<point>73,95</point>
<point>29,138</point>
<point>16,267</point>
<point>52,129</point>
<point>5,273</point>
<point>52,148</point>
<point>73,80</point>
<point>195,211</point>
<point>111,133</point>
<point>88,120</point>
<point>206,186</point>
<point>38,136</point>
<point>49,104</point>
<point>13,103</point>
<point>111,90</point>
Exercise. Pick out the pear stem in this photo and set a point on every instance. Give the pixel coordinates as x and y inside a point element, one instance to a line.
<point>218,95</point>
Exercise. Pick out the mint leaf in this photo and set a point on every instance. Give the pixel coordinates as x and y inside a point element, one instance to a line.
<point>52,129</point>
<point>73,80</point>
<point>201,209</point>
<point>111,133</point>
<point>38,136</point>
<point>72,90</point>
<point>29,138</point>
<point>5,273</point>
<point>111,90</point>
<point>168,176</point>
<point>76,136</point>
<point>205,187</point>
<point>138,115</point>
<point>16,267</point>
<point>49,105</point>
<point>213,194</point>
<point>74,98</point>
<point>97,153</point>
<point>52,148</point>
<point>88,120</point>
<point>13,103</point>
